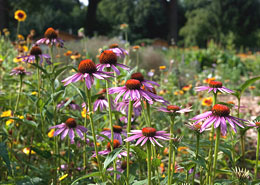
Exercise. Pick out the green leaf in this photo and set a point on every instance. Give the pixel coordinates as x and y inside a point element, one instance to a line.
<point>156,162</point>
<point>82,94</point>
<point>111,157</point>
<point>59,71</point>
<point>43,70</point>
<point>43,153</point>
<point>94,174</point>
<point>140,153</point>
<point>245,85</point>
<point>4,155</point>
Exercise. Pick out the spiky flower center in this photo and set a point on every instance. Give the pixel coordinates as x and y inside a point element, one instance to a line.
<point>87,66</point>
<point>101,97</point>
<point>116,144</point>
<point>71,123</point>
<point>220,110</point>
<point>20,69</point>
<point>138,76</point>
<point>20,15</point>
<point>108,57</point>
<point>149,131</point>
<point>117,129</point>
<point>198,125</point>
<point>173,108</point>
<point>36,51</point>
<point>113,46</point>
<point>50,33</point>
<point>215,84</point>
<point>257,123</point>
<point>102,91</point>
<point>133,84</point>
<point>123,165</point>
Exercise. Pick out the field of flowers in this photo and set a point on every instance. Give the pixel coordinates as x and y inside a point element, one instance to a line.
<point>98,112</point>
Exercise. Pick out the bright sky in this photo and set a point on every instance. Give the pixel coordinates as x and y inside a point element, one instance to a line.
<point>85,2</point>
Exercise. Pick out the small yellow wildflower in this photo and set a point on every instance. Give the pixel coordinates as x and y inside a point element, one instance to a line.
<point>20,37</point>
<point>20,15</point>
<point>183,149</point>
<point>27,151</point>
<point>17,60</point>
<point>51,133</point>
<point>83,113</point>
<point>68,53</point>
<point>207,101</point>
<point>7,113</point>
<point>123,26</point>
<point>63,177</point>
<point>208,80</point>
<point>162,67</point>
<point>187,87</point>
<point>8,122</point>
<point>34,93</point>
<point>251,87</point>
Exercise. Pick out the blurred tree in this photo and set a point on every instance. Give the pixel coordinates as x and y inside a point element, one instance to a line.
<point>219,18</point>
<point>3,14</point>
<point>90,25</point>
<point>65,15</point>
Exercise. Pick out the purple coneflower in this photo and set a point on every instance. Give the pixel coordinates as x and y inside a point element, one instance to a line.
<point>19,71</point>
<point>123,108</point>
<point>118,130</point>
<point>120,52</point>
<point>109,59</point>
<point>148,133</point>
<point>132,89</point>
<point>36,53</point>
<point>218,115</point>
<point>87,71</point>
<point>144,82</point>
<point>173,109</point>
<point>254,123</point>
<point>214,86</point>
<point>71,104</point>
<point>68,127</point>
<point>116,144</point>
<point>51,38</point>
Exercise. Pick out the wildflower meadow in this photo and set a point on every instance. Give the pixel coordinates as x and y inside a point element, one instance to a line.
<point>106,111</point>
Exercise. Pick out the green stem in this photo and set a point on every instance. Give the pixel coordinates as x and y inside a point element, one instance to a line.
<point>85,135</point>
<point>137,60</point>
<point>19,94</point>
<point>93,131</point>
<point>211,136</point>
<point>197,154</point>
<point>148,114</point>
<point>257,153</point>
<point>173,163</point>
<point>215,154</point>
<point>149,163</point>
<point>170,151</point>
<point>130,110</point>
<point>242,134</point>
<point>68,160</point>
<point>111,127</point>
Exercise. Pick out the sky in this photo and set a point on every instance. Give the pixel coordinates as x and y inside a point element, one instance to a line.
<point>85,2</point>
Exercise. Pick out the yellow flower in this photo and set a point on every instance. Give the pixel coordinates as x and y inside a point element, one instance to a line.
<point>27,151</point>
<point>7,113</point>
<point>176,93</point>
<point>20,117</point>
<point>68,53</point>
<point>162,67</point>
<point>34,93</point>
<point>75,56</point>
<point>135,48</point>
<point>8,122</point>
<point>20,37</point>
<point>123,26</point>
<point>251,87</point>
<point>181,92</point>
<point>83,113</point>
<point>20,15</point>
<point>17,60</point>
<point>63,177</point>
<point>51,133</point>
<point>187,87</point>
<point>207,101</point>
<point>183,149</point>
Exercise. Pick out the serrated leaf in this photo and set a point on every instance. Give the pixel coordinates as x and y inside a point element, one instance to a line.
<point>111,157</point>
<point>94,174</point>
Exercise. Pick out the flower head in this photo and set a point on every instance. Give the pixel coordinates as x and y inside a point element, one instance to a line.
<point>254,123</point>
<point>214,86</point>
<point>116,144</point>
<point>207,101</point>
<point>68,128</point>
<point>218,115</point>
<point>19,71</point>
<point>51,38</point>
<point>20,15</point>
<point>132,90</point>
<point>174,109</point>
<point>118,132</point>
<point>71,104</point>
<point>35,54</point>
<point>108,59</point>
<point>243,175</point>
<point>146,83</point>
<point>148,134</point>
<point>87,70</point>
